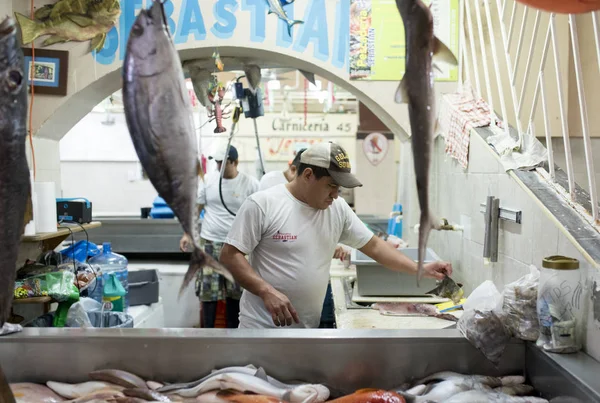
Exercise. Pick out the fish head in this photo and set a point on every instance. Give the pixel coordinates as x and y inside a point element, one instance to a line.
<point>13,83</point>
<point>149,45</point>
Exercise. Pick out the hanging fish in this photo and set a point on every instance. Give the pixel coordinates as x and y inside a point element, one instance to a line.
<point>417,89</point>
<point>201,79</point>
<point>253,75</point>
<point>309,76</point>
<point>218,61</point>
<point>275,7</point>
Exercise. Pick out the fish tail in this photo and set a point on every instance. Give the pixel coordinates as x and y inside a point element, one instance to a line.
<point>30,29</point>
<point>425,227</point>
<point>199,260</point>
<point>291,23</point>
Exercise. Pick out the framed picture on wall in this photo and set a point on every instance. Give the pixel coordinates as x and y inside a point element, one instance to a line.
<point>48,71</point>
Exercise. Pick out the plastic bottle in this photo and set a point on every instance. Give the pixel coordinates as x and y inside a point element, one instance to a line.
<point>114,293</point>
<point>395,221</point>
<point>109,262</point>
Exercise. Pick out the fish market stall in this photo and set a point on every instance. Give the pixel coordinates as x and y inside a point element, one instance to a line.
<point>344,361</point>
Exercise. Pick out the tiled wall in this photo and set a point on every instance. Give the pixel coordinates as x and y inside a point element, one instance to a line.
<point>456,195</point>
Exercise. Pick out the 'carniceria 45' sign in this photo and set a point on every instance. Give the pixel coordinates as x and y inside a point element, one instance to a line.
<point>196,20</point>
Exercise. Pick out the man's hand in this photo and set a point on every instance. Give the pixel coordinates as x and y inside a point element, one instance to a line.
<point>280,308</point>
<point>341,253</point>
<point>438,270</point>
<point>185,242</point>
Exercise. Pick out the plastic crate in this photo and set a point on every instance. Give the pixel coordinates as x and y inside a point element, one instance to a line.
<point>143,287</point>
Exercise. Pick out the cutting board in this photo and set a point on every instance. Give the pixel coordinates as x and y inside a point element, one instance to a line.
<point>356,297</point>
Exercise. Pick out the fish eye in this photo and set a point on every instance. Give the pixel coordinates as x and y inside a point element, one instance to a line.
<point>137,30</point>
<point>15,78</point>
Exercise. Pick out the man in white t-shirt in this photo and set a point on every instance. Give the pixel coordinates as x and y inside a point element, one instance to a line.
<point>236,187</point>
<point>274,178</point>
<point>290,233</point>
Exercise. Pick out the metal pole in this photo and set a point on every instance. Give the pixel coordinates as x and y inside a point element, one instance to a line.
<point>262,164</point>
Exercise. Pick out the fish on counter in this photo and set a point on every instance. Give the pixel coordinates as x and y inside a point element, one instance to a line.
<point>77,390</point>
<point>160,121</point>
<point>276,8</point>
<point>118,377</point>
<point>476,396</point>
<point>72,20</point>
<point>305,393</point>
<point>26,392</point>
<point>417,90</point>
<point>410,309</point>
<point>146,394</point>
<point>371,396</point>
<point>238,397</point>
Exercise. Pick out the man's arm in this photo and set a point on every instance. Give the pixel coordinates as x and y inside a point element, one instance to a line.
<point>386,255</point>
<point>279,306</point>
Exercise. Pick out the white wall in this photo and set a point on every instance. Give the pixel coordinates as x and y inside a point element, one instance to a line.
<point>456,195</point>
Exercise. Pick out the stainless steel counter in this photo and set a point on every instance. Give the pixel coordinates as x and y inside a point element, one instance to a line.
<point>344,360</point>
<point>147,235</point>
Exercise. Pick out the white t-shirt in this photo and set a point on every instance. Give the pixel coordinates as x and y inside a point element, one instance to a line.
<point>290,246</point>
<point>217,220</point>
<point>271,179</point>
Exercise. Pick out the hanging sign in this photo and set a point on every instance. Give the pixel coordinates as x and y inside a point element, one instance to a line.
<point>375,147</point>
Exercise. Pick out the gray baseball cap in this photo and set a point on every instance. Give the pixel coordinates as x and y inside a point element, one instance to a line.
<point>334,158</point>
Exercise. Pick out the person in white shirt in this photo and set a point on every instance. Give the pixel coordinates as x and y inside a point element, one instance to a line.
<point>236,187</point>
<point>290,232</point>
<point>273,178</point>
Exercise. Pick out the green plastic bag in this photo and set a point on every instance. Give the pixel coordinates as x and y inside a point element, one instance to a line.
<point>58,285</point>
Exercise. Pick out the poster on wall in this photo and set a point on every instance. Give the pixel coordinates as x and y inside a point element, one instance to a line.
<point>375,147</point>
<point>377,42</point>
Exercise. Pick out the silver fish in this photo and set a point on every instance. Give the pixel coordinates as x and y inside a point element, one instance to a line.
<point>248,370</point>
<point>417,89</point>
<point>15,188</point>
<point>247,383</point>
<point>476,396</point>
<point>118,377</point>
<point>160,122</point>
<point>276,8</point>
<point>74,391</point>
<point>146,394</point>
<point>491,381</point>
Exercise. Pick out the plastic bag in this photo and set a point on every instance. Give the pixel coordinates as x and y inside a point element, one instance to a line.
<point>520,306</point>
<point>78,312</point>
<point>58,285</point>
<point>78,251</point>
<point>483,323</point>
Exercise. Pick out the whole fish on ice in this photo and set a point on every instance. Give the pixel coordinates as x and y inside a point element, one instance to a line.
<point>417,89</point>
<point>476,396</point>
<point>74,391</point>
<point>306,393</point>
<point>118,377</point>
<point>159,118</point>
<point>371,396</point>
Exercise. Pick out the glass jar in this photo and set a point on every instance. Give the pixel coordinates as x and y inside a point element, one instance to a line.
<point>559,305</point>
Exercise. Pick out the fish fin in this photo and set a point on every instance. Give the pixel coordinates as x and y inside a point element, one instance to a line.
<point>366,390</point>
<point>80,20</point>
<point>291,23</point>
<point>261,374</point>
<point>442,53</point>
<point>98,42</point>
<point>30,29</point>
<point>198,262</point>
<point>401,93</point>
<point>53,40</point>
<point>309,76</point>
<point>43,12</point>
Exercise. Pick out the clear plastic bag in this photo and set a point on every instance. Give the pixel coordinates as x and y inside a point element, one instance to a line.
<point>78,312</point>
<point>483,322</point>
<point>520,306</point>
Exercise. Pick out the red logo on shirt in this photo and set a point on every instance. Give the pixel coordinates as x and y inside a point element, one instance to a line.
<point>284,237</point>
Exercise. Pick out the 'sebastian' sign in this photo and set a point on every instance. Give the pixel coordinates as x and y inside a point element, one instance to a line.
<point>196,20</point>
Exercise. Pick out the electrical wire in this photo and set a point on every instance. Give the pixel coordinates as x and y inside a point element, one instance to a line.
<point>236,117</point>
<point>87,245</point>
<point>31,103</point>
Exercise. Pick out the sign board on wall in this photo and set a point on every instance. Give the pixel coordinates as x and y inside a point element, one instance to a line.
<point>377,39</point>
<point>280,138</point>
<point>375,147</point>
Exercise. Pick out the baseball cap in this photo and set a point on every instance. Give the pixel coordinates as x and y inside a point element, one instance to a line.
<point>334,158</point>
<point>220,153</point>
